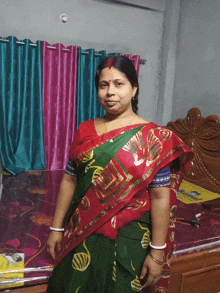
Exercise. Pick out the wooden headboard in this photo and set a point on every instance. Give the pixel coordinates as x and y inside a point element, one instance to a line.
<point>202,136</point>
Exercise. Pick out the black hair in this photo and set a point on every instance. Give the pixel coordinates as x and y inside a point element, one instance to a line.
<point>124,65</point>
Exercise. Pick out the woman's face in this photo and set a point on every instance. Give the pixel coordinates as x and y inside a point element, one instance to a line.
<point>115,91</point>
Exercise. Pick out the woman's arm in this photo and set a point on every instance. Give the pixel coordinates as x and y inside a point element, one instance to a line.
<point>160,215</point>
<point>64,198</point>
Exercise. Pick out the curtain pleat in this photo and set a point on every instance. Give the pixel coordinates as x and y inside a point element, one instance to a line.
<point>21,127</point>
<point>59,102</point>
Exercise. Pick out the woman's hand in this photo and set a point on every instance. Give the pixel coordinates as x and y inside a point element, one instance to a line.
<point>54,242</point>
<point>151,269</point>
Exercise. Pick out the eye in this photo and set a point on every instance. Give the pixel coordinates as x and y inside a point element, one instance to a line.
<point>102,85</point>
<point>119,83</point>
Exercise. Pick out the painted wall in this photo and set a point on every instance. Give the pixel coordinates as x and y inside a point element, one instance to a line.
<point>94,24</point>
<point>197,76</point>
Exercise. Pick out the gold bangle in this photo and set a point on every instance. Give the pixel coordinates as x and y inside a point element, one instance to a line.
<point>155,260</point>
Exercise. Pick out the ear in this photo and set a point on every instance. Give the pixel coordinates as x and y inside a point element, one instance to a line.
<point>134,90</point>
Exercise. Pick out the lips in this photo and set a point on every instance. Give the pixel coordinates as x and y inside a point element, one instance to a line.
<point>110,103</point>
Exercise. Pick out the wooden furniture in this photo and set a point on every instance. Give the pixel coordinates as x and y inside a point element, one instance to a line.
<point>199,272</point>
<point>202,136</point>
<point>196,273</point>
<point>29,289</point>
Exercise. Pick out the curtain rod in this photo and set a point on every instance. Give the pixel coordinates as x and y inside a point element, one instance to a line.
<point>142,61</point>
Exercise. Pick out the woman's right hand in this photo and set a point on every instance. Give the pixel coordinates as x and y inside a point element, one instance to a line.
<point>54,242</point>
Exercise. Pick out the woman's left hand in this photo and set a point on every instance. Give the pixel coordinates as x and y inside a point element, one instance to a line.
<point>152,270</point>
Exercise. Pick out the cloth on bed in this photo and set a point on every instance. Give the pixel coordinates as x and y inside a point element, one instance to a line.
<point>191,193</point>
<point>27,208</point>
<point>205,236</point>
<point>26,212</point>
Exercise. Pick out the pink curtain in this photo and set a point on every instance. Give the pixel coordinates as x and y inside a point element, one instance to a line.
<point>135,59</point>
<point>59,102</point>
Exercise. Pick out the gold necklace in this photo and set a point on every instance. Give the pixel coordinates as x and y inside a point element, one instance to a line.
<point>111,139</point>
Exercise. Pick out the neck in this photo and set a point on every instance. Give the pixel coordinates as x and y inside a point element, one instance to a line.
<point>111,117</point>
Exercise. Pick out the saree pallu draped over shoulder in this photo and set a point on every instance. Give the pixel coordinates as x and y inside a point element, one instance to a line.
<point>113,179</point>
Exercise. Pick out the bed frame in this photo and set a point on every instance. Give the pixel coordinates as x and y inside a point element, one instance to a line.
<point>199,272</point>
<point>29,289</point>
<point>202,136</point>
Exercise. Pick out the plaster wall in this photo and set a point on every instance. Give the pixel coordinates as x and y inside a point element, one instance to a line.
<point>197,71</point>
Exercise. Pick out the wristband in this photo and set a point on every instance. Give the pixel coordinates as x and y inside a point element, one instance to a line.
<point>57,229</point>
<point>156,260</point>
<point>157,247</point>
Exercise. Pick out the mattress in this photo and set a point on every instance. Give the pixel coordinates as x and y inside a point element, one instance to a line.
<point>197,223</point>
<point>26,210</point>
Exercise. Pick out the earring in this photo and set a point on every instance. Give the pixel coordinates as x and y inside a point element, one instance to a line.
<point>132,99</point>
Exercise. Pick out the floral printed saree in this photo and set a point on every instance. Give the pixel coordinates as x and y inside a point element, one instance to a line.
<point>108,229</point>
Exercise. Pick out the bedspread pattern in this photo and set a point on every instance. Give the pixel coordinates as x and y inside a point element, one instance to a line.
<point>26,211</point>
<point>27,207</point>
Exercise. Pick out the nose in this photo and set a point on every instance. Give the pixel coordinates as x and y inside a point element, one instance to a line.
<point>111,89</point>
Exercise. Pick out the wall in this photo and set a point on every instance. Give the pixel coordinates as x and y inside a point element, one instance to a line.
<point>115,27</point>
<point>197,77</point>
<point>168,62</point>
<point>152,4</point>
<point>94,24</point>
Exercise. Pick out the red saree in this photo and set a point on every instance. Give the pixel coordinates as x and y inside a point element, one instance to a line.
<point>113,180</point>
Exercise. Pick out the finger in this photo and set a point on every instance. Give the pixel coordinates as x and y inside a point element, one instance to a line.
<point>48,248</point>
<point>51,250</point>
<point>155,280</point>
<point>143,271</point>
<point>59,246</point>
<point>52,253</point>
<point>149,282</point>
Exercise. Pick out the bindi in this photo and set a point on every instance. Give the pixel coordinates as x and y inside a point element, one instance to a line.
<point>109,80</point>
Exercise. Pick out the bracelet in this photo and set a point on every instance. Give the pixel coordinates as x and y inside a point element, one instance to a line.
<point>57,229</point>
<point>155,260</point>
<point>157,247</point>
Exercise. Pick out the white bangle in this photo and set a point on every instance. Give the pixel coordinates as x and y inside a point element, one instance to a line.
<point>57,229</point>
<point>157,247</point>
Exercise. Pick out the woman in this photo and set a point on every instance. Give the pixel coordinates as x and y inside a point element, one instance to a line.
<point>119,174</point>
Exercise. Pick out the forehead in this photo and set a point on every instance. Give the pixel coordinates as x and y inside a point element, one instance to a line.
<point>112,73</point>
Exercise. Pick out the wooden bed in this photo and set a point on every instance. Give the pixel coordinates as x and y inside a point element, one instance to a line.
<point>198,269</point>
<point>193,269</point>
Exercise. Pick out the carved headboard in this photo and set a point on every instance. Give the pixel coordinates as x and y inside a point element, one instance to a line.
<point>202,136</point>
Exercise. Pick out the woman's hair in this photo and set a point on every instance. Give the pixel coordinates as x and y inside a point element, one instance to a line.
<point>124,65</point>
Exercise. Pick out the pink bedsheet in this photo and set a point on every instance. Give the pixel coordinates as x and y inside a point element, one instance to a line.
<point>206,236</point>
<point>27,207</point>
<point>26,210</point>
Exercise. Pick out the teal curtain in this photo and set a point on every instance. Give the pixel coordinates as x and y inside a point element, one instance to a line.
<point>88,106</point>
<point>21,121</point>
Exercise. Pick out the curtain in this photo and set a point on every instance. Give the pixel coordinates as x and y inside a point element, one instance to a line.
<point>59,102</point>
<point>88,106</point>
<point>87,102</point>
<point>135,59</point>
<point>21,131</point>
<point>37,125</point>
